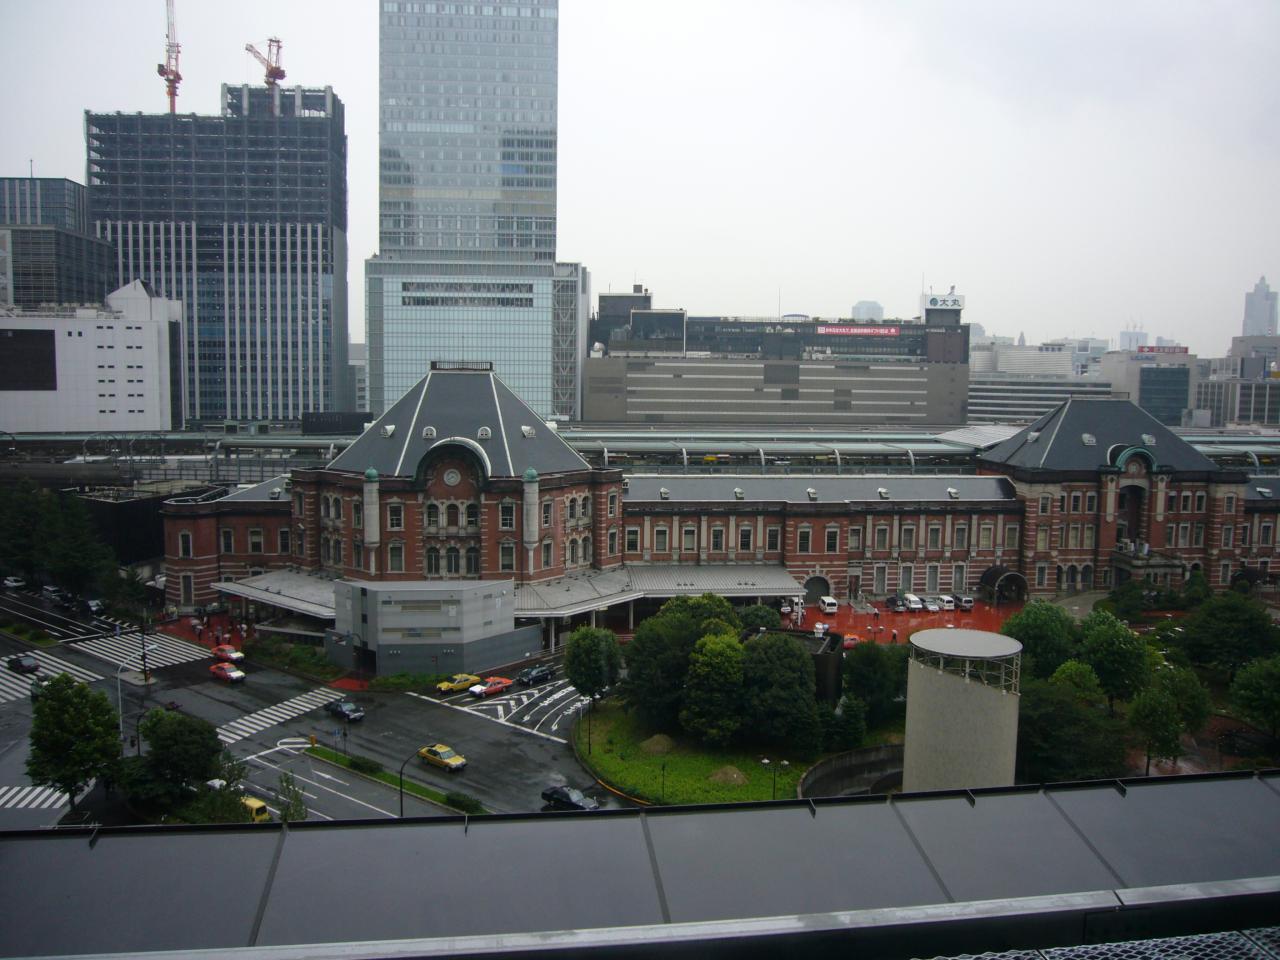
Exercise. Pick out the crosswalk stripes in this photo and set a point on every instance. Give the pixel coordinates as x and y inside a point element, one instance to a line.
<point>16,686</point>
<point>31,798</point>
<point>270,716</point>
<point>127,648</point>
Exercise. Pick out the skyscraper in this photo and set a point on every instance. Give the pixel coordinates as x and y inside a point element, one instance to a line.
<point>47,253</point>
<point>467,195</point>
<point>1260,311</point>
<point>243,217</point>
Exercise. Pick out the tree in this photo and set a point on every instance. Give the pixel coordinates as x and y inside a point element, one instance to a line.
<point>845,727</point>
<point>778,692</point>
<point>1080,679</point>
<point>1196,590</point>
<point>20,509</point>
<point>289,799</point>
<point>1228,631</point>
<point>69,548</point>
<point>182,751</point>
<point>1129,600</point>
<point>74,737</point>
<point>1060,737</point>
<point>1118,656</point>
<point>705,607</point>
<point>1256,694</point>
<point>1048,635</point>
<point>1189,696</point>
<point>592,660</point>
<point>758,615</point>
<point>657,664</point>
<point>877,675</point>
<point>712,708</point>
<point>1153,715</point>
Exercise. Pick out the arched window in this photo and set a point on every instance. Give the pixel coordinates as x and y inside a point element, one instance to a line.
<point>452,559</point>
<point>337,508</point>
<point>325,553</point>
<point>433,515</point>
<point>433,562</point>
<point>573,549</point>
<point>473,561</point>
<point>473,514</point>
<point>586,549</point>
<point>586,507</point>
<point>357,514</point>
<point>452,514</point>
<point>324,507</point>
<point>337,553</point>
<point>573,509</point>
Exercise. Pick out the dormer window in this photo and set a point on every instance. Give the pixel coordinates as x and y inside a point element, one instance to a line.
<point>664,493</point>
<point>1149,439</point>
<point>1088,439</point>
<point>484,433</point>
<point>953,493</point>
<point>388,431</point>
<point>528,432</point>
<point>739,493</point>
<point>812,493</point>
<point>1033,436</point>
<point>883,493</point>
<point>428,433</point>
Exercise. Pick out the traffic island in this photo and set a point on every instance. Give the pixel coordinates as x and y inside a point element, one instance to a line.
<point>370,769</point>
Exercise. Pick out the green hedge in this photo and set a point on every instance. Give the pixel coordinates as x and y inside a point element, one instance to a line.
<point>457,801</point>
<point>402,682</point>
<point>299,657</point>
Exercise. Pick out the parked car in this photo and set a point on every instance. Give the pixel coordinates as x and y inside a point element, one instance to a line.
<point>443,756</point>
<point>490,686</point>
<point>14,583</point>
<point>257,810</point>
<point>51,593</point>
<point>931,604</point>
<point>344,710</point>
<point>95,607</point>
<point>227,672</point>
<point>964,603</point>
<point>568,798</point>
<point>895,603</point>
<point>227,653</point>
<point>24,663</point>
<point>947,602</point>
<point>539,674</point>
<point>914,604</point>
<point>459,681</point>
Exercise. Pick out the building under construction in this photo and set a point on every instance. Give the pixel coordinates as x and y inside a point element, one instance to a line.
<point>243,217</point>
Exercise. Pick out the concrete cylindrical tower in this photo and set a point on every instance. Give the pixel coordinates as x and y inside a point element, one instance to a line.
<point>372,518</point>
<point>962,710</point>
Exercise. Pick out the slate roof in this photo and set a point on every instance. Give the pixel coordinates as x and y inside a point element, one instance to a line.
<point>793,488</point>
<point>458,404</point>
<point>1059,440</point>
<point>261,491</point>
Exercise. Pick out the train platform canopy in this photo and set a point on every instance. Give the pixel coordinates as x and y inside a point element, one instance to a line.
<point>285,589</point>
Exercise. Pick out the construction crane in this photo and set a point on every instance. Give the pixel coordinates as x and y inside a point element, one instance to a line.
<point>271,62</point>
<point>169,69</point>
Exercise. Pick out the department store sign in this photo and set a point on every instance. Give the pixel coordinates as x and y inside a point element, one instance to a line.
<point>847,331</point>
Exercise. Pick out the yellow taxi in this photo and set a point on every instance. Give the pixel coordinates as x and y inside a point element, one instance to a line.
<point>258,812</point>
<point>459,681</point>
<point>442,755</point>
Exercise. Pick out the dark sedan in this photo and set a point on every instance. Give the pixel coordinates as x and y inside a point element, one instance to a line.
<point>24,663</point>
<point>345,710</point>
<point>568,798</point>
<point>533,675</point>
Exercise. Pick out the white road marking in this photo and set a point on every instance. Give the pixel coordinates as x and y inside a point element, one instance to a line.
<point>476,713</point>
<point>339,793</point>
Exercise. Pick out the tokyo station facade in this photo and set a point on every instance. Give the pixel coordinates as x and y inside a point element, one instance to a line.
<point>459,487</point>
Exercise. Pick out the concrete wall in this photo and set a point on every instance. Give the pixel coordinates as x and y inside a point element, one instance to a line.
<point>960,733</point>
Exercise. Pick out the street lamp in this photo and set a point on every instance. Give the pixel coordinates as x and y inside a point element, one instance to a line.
<point>402,766</point>
<point>764,761</point>
<point>119,692</point>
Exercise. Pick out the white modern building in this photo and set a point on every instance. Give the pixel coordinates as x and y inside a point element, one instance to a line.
<point>116,368</point>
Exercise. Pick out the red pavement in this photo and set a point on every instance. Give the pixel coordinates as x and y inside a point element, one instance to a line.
<point>864,626</point>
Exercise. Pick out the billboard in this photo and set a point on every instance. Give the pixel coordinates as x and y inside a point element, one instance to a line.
<point>844,330</point>
<point>1146,349</point>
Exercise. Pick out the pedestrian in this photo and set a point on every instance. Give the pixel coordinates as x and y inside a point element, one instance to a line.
<point>895,636</point>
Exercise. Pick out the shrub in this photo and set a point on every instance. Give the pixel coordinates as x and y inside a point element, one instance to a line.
<point>400,682</point>
<point>463,801</point>
<point>365,765</point>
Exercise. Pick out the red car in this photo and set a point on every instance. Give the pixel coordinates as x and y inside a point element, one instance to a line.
<point>489,686</point>
<point>226,652</point>
<point>228,672</point>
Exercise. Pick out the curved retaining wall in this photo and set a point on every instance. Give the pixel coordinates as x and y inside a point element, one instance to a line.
<point>866,770</point>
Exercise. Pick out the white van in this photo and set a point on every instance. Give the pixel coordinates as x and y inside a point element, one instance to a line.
<point>829,605</point>
<point>914,603</point>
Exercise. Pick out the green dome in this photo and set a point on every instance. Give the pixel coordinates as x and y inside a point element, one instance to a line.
<point>371,474</point>
<point>530,475</point>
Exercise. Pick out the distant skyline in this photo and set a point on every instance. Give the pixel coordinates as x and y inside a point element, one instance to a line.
<point>1073,169</point>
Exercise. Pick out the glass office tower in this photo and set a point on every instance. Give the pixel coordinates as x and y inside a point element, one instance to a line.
<point>467,194</point>
<point>243,217</point>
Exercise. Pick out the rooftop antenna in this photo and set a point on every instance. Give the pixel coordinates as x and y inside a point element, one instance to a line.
<point>169,69</point>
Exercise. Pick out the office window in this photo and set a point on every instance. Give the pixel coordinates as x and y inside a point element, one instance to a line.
<point>1075,503</point>
<point>452,561</point>
<point>1186,503</point>
<point>546,513</point>
<point>546,554</point>
<point>689,539</point>
<point>613,504</point>
<point>1197,535</point>
<point>1090,532</point>
<point>297,504</point>
<point>452,515</point>
<point>931,578</point>
<point>803,538</point>
<point>184,544</point>
<point>744,538</point>
<point>613,542</point>
<point>433,514</point>
<point>357,559</point>
<point>1046,504</point>
<point>584,511</point>
<point>1229,503</point>
<point>633,539</point>
<point>228,542</point>
<point>962,537</point>
<point>573,509</point>
<point>1090,503</point>
<point>573,552</point>
<point>1184,534</point>
<point>1224,572</point>
<point>1264,535</point>
<point>1062,503</point>
<point>1244,535</point>
<point>473,561</point>
<point>284,540</point>
<point>986,534</point>
<point>773,538</point>
<point>906,577</point>
<point>395,516</point>
<point>326,550</point>
<point>337,553</point>
<point>395,558</point>
<point>586,549</point>
<point>1011,533</point>
<point>357,514</point>
<point>473,514</point>
<point>507,557</point>
<point>882,538</point>
<point>507,516</point>
<point>855,538</point>
<point>907,538</point>
<point>1042,575</point>
<point>1200,502</point>
<point>833,539</point>
<point>935,537</point>
<point>188,589</point>
<point>1171,503</point>
<point>717,539</point>
<point>255,540</point>
<point>1073,535</point>
<point>301,547</point>
<point>324,507</point>
<point>660,539</point>
<point>1042,538</point>
<point>959,579</point>
<point>1171,535</point>
<point>1227,535</point>
<point>433,561</point>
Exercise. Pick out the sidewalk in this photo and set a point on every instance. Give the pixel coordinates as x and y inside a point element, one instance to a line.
<point>1080,605</point>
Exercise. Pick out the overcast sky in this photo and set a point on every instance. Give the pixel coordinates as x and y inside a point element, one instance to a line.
<point>1073,167</point>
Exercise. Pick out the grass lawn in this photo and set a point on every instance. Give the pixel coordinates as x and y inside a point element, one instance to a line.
<point>618,758</point>
<point>392,779</point>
